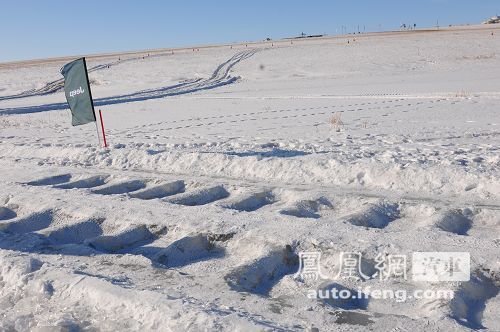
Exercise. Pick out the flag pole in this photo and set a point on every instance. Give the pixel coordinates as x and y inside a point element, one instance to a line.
<point>91,99</point>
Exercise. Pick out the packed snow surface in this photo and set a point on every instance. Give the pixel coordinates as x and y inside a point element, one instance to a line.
<point>225,163</point>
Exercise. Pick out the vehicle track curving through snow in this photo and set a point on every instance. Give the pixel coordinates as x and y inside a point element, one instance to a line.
<point>58,85</point>
<point>220,77</point>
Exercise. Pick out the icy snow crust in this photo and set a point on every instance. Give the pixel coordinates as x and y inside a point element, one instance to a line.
<point>226,162</point>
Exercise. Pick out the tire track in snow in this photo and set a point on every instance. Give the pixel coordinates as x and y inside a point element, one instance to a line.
<point>58,85</point>
<point>199,123</point>
<point>274,111</point>
<point>220,77</point>
<point>261,275</point>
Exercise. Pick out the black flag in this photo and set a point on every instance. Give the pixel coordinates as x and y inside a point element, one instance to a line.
<point>77,90</point>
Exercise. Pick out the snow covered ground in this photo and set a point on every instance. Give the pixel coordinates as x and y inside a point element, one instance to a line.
<point>226,163</point>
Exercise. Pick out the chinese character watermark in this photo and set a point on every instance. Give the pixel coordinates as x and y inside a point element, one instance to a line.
<point>390,266</point>
<point>441,266</point>
<point>351,266</point>
<point>426,266</point>
<point>309,266</point>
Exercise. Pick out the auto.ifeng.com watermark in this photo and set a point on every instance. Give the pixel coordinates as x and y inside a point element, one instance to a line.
<point>365,293</point>
<point>425,267</point>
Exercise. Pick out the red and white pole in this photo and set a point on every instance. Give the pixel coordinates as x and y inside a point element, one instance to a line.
<point>102,127</point>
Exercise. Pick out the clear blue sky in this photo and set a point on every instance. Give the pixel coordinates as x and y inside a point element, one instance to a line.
<point>32,29</point>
